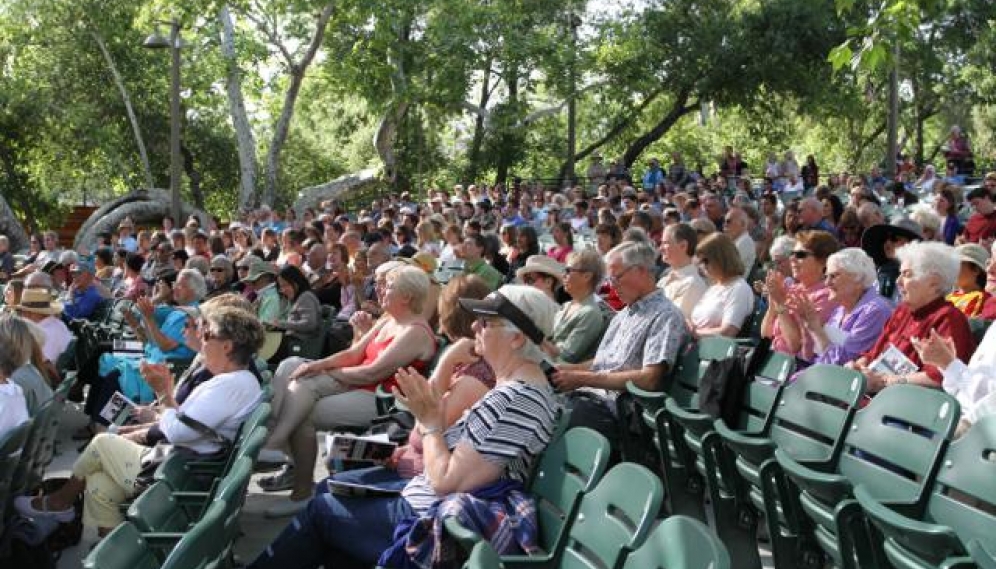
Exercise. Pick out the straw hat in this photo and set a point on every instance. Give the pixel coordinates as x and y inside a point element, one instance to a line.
<point>39,301</point>
<point>541,264</point>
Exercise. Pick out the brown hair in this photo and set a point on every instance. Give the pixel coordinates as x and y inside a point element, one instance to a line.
<point>821,243</point>
<point>454,321</point>
<point>719,251</point>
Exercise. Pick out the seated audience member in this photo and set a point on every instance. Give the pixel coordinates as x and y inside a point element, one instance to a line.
<point>580,323</point>
<point>640,344</point>
<point>946,206</point>
<point>304,318</point>
<point>970,293</point>
<point>497,441</point>
<point>682,283</point>
<point>13,407</point>
<point>543,273</point>
<point>728,302</point>
<point>808,262</point>
<point>981,225</point>
<point>21,340</point>
<point>132,285</point>
<point>563,238</point>
<point>428,264</point>
<point>526,245</point>
<point>6,259</point>
<point>881,242</point>
<point>37,306</point>
<point>107,471</point>
<point>270,306</point>
<point>340,390</point>
<point>12,296</point>
<point>607,236</point>
<point>84,294</point>
<point>927,273</point>
<point>461,374</point>
<point>220,276</point>
<point>856,321</point>
<point>471,251</point>
<point>737,226</point>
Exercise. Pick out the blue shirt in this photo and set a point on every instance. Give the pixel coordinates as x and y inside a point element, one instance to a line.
<point>129,244</point>
<point>83,304</point>
<point>172,327</point>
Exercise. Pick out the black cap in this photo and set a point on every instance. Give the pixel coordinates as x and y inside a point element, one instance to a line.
<point>495,304</point>
<point>980,192</point>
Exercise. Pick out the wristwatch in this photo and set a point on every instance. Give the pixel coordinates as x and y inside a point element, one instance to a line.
<point>425,432</point>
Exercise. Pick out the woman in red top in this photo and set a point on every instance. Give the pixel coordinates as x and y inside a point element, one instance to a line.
<point>340,390</point>
<point>564,239</point>
<point>927,272</point>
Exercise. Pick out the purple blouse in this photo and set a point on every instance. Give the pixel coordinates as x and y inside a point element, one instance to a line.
<point>861,328</point>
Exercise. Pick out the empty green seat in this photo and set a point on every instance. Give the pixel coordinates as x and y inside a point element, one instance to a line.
<point>123,548</point>
<point>808,421</point>
<point>893,448</point>
<point>570,466</point>
<point>38,448</point>
<point>960,510</point>
<point>680,542</point>
<point>11,444</point>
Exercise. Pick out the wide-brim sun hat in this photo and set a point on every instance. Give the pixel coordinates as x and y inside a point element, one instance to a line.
<point>542,264</point>
<point>39,301</point>
<point>973,253</point>
<point>874,238</point>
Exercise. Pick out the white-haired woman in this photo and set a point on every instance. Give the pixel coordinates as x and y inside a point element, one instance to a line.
<point>927,273</point>
<point>340,390</point>
<point>497,441</point>
<point>861,312</point>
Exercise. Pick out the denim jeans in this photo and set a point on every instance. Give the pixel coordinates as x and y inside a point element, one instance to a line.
<point>336,531</point>
<point>373,476</point>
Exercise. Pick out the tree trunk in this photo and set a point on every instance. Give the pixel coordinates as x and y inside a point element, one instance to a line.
<point>613,132</point>
<point>11,227</point>
<point>139,142</point>
<point>386,136</point>
<point>679,108</point>
<point>194,175</point>
<point>474,153</point>
<point>240,120</point>
<point>512,81</point>
<point>143,207</point>
<point>865,142</point>
<point>280,131</point>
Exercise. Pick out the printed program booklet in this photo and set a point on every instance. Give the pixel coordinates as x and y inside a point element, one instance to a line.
<point>117,405</point>
<point>346,452</point>
<point>894,362</point>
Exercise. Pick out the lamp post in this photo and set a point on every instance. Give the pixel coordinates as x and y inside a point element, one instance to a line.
<point>173,43</point>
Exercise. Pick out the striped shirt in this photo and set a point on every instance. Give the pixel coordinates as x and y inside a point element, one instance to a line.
<point>510,426</point>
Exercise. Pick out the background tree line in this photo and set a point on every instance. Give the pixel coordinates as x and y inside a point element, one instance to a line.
<point>279,95</point>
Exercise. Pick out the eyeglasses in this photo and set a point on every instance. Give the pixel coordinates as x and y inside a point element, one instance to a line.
<point>218,270</point>
<point>614,279</point>
<point>492,322</point>
<point>569,270</point>
<point>801,254</point>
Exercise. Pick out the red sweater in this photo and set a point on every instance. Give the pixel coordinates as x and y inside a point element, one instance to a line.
<point>905,324</point>
<point>980,227</point>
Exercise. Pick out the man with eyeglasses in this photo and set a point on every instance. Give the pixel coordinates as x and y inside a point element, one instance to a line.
<point>640,345</point>
<point>736,226</point>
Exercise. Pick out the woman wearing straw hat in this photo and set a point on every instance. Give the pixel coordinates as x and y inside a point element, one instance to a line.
<point>542,272</point>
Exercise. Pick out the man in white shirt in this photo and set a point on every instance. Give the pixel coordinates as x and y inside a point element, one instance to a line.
<point>737,227</point>
<point>682,284</point>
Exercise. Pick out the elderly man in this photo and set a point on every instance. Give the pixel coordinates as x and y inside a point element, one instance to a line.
<point>262,278</point>
<point>640,345</point>
<point>811,216</point>
<point>84,294</point>
<point>712,206</point>
<point>737,227</point>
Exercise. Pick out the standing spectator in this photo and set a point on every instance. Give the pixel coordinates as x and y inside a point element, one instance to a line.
<point>810,173</point>
<point>596,171</point>
<point>677,174</point>
<point>653,176</point>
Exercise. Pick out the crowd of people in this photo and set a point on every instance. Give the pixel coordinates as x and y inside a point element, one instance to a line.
<point>486,310</point>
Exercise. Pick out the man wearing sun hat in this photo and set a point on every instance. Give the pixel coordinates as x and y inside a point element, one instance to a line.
<point>125,239</point>
<point>38,306</point>
<point>270,306</point>
<point>84,295</point>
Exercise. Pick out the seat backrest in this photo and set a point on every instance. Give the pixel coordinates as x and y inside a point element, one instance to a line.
<point>156,510</point>
<point>11,445</point>
<point>123,548</point>
<point>252,444</point>
<point>693,360</point>
<point>895,443</point>
<point>777,367</point>
<point>570,466</point>
<point>680,542</point>
<point>232,494</point>
<point>203,545</point>
<point>27,474</point>
<point>483,556</point>
<point>614,518</point>
<point>964,497</point>
<point>812,413</point>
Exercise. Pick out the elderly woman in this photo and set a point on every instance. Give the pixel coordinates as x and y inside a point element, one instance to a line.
<point>110,465</point>
<point>13,406</point>
<point>726,304</point>
<point>579,324</point>
<point>860,313</point>
<point>22,340</point>
<point>543,273</point>
<point>808,262</point>
<point>340,390</point>
<point>682,284</point>
<point>498,440</point>
<point>221,275</point>
<point>927,273</point>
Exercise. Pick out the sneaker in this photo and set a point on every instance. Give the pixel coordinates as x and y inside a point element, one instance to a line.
<point>286,507</point>
<point>269,460</point>
<point>28,510</point>
<point>283,480</point>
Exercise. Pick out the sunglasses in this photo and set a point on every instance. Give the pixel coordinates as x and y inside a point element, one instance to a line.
<point>801,254</point>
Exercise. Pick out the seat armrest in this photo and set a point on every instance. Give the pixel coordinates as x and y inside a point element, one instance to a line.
<point>465,537</point>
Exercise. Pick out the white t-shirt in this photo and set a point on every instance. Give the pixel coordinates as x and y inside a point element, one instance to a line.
<point>723,305</point>
<point>57,337</point>
<point>13,407</point>
<point>222,403</point>
<point>748,251</point>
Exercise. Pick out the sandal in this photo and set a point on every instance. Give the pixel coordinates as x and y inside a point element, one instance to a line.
<point>84,433</point>
<point>283,480</point>
<point>26,508</point>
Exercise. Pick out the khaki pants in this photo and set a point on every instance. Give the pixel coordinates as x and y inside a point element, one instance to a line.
<point>109,464</point>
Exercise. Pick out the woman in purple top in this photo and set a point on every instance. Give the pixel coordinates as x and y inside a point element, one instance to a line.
<point>859,317</point>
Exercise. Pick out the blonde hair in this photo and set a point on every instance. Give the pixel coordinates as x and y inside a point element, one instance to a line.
<point>412,282</point>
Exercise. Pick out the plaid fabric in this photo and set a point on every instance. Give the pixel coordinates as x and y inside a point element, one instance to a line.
<point>502,513</point>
